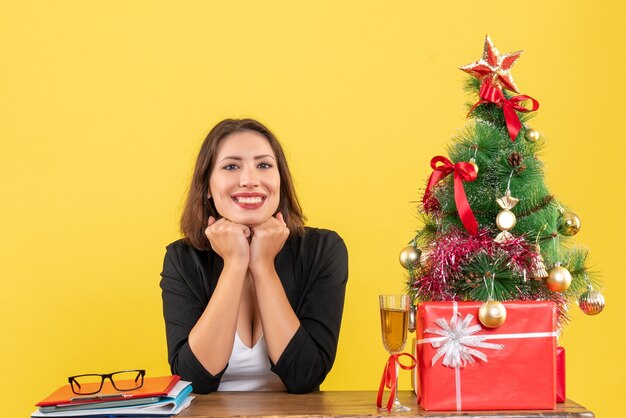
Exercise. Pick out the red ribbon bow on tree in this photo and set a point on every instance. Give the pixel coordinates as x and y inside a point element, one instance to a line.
<point>463,171</point>
<point>390,378</point>
<point>490,93</point>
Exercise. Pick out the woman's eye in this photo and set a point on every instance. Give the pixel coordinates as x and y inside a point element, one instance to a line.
<point>230,167</point>
<point>264,165</point>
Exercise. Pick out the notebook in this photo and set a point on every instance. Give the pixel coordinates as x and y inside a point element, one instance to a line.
<point>152,387</point>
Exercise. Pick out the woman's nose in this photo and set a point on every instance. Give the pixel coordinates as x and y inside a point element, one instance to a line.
<point>248,178</point>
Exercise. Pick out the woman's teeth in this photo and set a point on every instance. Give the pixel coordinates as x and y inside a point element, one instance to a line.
<point>249,200</point>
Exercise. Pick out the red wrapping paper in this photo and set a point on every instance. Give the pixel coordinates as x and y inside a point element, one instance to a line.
<point>560,374</point>
<point>519,376</point>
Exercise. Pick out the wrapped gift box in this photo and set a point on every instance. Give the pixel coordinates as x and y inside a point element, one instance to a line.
<point>560,374</point>
<point>509,367</point>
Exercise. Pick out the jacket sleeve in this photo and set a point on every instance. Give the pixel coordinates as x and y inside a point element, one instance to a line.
<point>183,304</point>
<point>310,354</point>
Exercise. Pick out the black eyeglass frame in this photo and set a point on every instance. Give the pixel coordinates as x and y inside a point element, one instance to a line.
<point>72,379</point>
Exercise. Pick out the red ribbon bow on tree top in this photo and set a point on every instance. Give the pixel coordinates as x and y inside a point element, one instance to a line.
<point>390,378</point>
<point>490,93</point>
<point>463,171</point>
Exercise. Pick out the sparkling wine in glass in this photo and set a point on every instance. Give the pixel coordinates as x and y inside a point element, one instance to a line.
<point>394,318</point>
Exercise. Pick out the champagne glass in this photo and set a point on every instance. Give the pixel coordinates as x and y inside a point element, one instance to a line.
<point>394,318</point>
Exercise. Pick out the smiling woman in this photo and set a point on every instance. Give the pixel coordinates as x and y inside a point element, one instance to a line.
<point>252,299</point>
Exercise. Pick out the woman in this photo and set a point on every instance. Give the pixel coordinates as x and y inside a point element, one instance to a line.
<point>252,298</point>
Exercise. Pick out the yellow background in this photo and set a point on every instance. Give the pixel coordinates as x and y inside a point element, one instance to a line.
<point>103,106</point>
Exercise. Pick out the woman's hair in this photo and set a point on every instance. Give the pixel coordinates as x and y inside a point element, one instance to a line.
<point>199,207</point>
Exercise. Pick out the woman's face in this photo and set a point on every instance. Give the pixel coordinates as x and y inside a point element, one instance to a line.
<point>244,182</point>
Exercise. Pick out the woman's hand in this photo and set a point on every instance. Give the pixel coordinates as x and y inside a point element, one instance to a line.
<point>229,240</point>
<point>267,240</point>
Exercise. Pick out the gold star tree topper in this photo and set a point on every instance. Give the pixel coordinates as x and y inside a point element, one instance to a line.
<point>494,66</point>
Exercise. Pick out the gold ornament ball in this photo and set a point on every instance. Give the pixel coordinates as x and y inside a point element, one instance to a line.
<point>569,223</point>
<point>492,314</point>
<point>559,278</point>
<point>410,257</point>
<point>591,302</point>
<point>532,135</point>
<point>506,220</point>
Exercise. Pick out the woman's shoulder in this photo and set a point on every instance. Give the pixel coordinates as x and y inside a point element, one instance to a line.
<point>320,239</point>
<point>182,249</point>
<point>184,260</point>
<point>323,250</point>
<point>320,235</point>
<point>180,245</point>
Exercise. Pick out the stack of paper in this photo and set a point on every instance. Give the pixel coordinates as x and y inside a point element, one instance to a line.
<point>159,396</point>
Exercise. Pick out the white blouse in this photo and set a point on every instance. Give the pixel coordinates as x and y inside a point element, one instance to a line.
<point>249,369</point>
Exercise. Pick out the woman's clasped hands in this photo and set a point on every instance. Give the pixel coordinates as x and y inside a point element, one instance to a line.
<point>255,247</point>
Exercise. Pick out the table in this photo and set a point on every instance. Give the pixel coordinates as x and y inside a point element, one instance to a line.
<point>340,404</point>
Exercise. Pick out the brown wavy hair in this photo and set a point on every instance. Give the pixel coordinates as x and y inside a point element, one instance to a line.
<point>199,207</point>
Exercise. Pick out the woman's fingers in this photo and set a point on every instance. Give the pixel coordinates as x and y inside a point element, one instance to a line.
<point>228,239</point>
<point>267,241</point>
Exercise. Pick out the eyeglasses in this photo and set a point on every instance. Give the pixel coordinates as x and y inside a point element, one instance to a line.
<point>122,381</point>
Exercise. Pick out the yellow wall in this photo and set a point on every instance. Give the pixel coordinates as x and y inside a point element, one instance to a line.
<point>103,106</point>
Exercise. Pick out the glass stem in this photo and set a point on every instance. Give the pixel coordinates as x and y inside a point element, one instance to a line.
<point>396,401</point>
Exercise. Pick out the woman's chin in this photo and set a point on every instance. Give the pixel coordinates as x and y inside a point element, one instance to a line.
<point>251,222</point>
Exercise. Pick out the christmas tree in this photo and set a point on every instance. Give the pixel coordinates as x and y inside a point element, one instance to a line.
<point>492,231</point>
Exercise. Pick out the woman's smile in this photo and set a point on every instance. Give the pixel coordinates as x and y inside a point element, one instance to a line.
<point>249,201</point>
